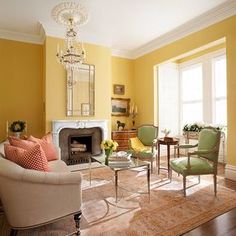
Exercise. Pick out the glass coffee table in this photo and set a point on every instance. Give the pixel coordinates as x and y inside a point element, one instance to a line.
<point>134,163</point>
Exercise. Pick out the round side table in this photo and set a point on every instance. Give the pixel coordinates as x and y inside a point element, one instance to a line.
<point>168,142</point>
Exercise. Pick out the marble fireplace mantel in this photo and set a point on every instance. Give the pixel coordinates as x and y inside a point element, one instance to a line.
<point>58,125</point>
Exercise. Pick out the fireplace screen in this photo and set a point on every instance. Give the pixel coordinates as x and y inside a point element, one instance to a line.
<point>78,144</point>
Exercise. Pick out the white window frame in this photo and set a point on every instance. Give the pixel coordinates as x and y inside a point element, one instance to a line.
<point>181,102</point>
<point>214,98</point>
<point>208,90</point>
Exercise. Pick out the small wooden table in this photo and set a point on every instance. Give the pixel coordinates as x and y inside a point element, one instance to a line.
<point>168,143</point>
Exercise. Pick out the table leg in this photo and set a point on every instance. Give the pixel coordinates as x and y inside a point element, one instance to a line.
<point>168,159</point>
<point>90,170</point>
<point>158,158</point>
<point>148,180</point>
<point>116,186</point>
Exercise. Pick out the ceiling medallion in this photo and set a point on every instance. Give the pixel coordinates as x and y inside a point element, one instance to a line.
<point>72,15</point>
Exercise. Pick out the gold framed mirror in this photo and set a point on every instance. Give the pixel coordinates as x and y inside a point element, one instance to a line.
<point>80,90</point>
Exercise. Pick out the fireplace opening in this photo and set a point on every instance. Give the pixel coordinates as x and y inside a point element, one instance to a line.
<point>77,145</point>
<point>80,147</point>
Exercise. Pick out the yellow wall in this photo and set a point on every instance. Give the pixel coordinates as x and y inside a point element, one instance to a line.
<point>55,82</point>
<point>144,76</point>
<point>21,96</point>
<point>201,53</point>
<point>123,73</point>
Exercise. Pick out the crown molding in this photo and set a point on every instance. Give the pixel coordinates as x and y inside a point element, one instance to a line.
<point>122,53</point>
<point>52,31</point>
<point>21,37</point>
<point>212,16</point>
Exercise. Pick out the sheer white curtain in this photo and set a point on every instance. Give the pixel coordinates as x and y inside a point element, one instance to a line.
<point>168,87</point>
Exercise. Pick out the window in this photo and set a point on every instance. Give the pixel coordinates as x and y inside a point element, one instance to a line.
<point>191,88</point>
<point>203,93</point>
<point>219,90</point>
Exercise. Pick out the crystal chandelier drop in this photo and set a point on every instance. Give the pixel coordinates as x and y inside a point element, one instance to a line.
<point>72,15</point>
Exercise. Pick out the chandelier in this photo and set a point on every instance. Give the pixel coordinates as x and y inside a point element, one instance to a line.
<point>72,15</point>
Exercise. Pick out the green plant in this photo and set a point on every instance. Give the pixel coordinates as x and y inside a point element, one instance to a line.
<point>197,127</point>
<point>17,126</point>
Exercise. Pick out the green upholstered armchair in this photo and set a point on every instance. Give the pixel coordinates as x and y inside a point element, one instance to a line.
<point>203,161</point>
<point>144,145</point>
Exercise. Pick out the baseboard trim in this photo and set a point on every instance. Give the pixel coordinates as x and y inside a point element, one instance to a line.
<point>230,172</point>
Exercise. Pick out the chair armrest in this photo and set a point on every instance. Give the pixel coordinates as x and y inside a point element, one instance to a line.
<point>185,146</point>
<point>199,152</point>
<point>154,144</point>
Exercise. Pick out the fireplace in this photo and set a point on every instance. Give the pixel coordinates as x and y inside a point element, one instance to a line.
<point>79,139</point>
<point>78,144</point>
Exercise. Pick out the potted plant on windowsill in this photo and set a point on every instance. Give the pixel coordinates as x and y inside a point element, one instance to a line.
<point>190,131</point>
<point>17,127</point>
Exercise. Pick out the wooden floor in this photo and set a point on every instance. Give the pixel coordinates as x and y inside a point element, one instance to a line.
<point>223,225</point>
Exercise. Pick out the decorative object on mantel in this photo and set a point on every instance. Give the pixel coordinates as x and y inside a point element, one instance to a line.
<point>119,89</point>
<point>17,127</point>
<point>120,125</point>
<point>133,112</point>
<point>109,146</point>
<point>72,15</point>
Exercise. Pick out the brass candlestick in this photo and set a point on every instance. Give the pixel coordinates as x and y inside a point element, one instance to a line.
<point>133,112</point>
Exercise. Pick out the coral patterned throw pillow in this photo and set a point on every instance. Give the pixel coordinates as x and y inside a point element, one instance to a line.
<point>33,158</point>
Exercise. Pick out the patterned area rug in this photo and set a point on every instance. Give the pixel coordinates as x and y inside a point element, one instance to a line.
<point>167,212</point>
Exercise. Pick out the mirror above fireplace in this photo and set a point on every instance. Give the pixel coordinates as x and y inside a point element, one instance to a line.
<point>80,90</point>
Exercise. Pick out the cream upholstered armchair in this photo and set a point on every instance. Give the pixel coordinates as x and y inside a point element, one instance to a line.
<point>203,161</point>
<point>33,198</point>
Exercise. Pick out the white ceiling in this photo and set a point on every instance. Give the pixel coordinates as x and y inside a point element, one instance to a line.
<point>124,25</point>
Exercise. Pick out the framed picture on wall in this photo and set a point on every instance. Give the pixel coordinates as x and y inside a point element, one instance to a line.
<point>120,106</point>
<point>119,89</point>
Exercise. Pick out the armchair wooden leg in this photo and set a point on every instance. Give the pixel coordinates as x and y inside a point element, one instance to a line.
<point>215,183</point>
<point>170,174</point>
<point>13,232</point>
<point>184,185</point>
<point>77,218</point>
<point>199,179</point>
<point>152,165</point>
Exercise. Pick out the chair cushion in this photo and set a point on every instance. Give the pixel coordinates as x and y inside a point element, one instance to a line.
<point>33,158</point>
<point>137,145</point>
<point>198,166</point>
<point>146,154</point>
<point>47,146</point>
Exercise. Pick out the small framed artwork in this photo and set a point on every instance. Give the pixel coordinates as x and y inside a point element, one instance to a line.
<point>85,108</point>
<point>120,106</point>
<point>119,89</point>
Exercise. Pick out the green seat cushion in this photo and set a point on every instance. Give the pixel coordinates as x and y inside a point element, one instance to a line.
<point>197,166</point>
<point>144,154</point>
